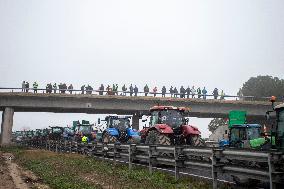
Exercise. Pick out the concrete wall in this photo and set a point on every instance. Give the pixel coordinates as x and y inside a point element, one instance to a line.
<point>220,133</point>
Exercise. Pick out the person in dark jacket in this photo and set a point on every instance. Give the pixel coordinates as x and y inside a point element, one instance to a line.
<point>82,89</point>
<point>131,90</point>
<point>27,87</point>
<point>175,92</point>
<point>124,89</point>
<point>198,92</point>
<point>146,90</point>
<point>182,92</point>
<point>172,91</point>
<point>135,90</point>
<point>101,89</point>
<point>164,90</point>
<point>70,88</point>
<point>215,93</point>
<point>187,91</point>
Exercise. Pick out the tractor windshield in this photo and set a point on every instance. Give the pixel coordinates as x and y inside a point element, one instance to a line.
<point>56,130</point>
<point>172,118</point>
<point>253,133</point>
<point>85,129</point>
<point>120,123</point>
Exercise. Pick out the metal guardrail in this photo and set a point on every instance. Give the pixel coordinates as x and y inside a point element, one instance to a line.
<point>128,93</point>
<point>216,160</point>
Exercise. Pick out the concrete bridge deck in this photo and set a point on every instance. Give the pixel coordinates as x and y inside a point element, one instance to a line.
<point>96,104</point>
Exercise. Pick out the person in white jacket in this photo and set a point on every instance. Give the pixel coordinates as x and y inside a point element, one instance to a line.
<point>193,91</point>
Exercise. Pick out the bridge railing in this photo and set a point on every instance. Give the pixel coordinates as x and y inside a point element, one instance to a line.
<point>240,163</point>
<point>128,93</point>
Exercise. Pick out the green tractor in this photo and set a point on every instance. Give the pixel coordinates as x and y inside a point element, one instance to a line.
<point>244,135</point>
<point>84,129</point>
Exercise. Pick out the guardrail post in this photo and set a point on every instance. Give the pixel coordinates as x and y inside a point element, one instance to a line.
<point>132,149</point>
<point>56,146</point>
<point>115,152</point>
<point>152,157</point>
<point>179,160</point>
<point>272,158</point>
<point>213,167</point>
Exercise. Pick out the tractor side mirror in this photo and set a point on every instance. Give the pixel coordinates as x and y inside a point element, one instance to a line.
<point>186,121</point>
<point>99,121</point>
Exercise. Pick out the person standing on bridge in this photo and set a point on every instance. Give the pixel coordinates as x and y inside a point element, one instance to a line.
<point>23,86</point>
<point>82,89</point>
<point>131,90</point>
<point>70,88</point>
<point>54,87</point>
<point>193,92</point>
<point>146,90</point>
<point>175,92</point>
<point>164,90</point>
<point>204,92</point>
<point>222,96</point>
<point>135,90</point>
<point>171,91</point>
<point>101,89</point>
<point>181,91</point>
<point>27,87</point>
<point>188,91</point>
<point>124,89</point>
<point>35,85</point>
<point>155,91</point>
<point>198,92</point>
<point>215,93</point>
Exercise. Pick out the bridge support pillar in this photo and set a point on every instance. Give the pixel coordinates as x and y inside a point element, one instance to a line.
<point>135,121</point>
<point>6,126</point>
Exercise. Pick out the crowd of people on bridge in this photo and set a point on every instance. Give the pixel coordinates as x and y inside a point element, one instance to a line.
<point>132,90</point>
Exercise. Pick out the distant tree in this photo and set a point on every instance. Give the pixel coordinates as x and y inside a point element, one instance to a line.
<point>215,123</point>
<point>260,86</point>
<point>264,86</point>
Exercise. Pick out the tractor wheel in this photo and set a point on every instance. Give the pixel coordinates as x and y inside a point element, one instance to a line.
<point>107,138</point>
<point>154,137</point>
<point>195,140</point>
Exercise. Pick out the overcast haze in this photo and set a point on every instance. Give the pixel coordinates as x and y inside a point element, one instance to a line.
<point>180,42</point>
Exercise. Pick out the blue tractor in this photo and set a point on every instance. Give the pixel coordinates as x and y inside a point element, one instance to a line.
<point>118,129</point>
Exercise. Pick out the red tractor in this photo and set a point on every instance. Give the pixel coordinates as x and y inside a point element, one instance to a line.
<point>169,126</point>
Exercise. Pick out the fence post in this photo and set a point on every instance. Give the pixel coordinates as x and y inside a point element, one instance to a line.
<point>56,146</point>
<point>152,157</point>
<point>213,167</point>
<point>272,158</point>
<point>179,160</point>
<point>132,149</point>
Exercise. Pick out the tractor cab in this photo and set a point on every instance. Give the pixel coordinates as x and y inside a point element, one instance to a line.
<point>83,129</point>
<point>121,123</point>
<point>168,115</point>
<point>118,129</point>
<point>55,133</point>
<point>243,135</point>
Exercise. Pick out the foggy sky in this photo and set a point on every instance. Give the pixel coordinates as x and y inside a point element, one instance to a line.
<point>159,42</point>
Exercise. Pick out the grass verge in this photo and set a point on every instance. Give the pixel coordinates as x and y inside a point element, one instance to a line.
<point>77,171</point>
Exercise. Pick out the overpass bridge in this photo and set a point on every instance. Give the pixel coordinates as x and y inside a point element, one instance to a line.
<point>11,102</point>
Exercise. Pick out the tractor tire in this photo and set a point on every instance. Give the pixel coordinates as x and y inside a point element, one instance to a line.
<point>107,138</point>
<point>154,137</point>
<point>196,140</point>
